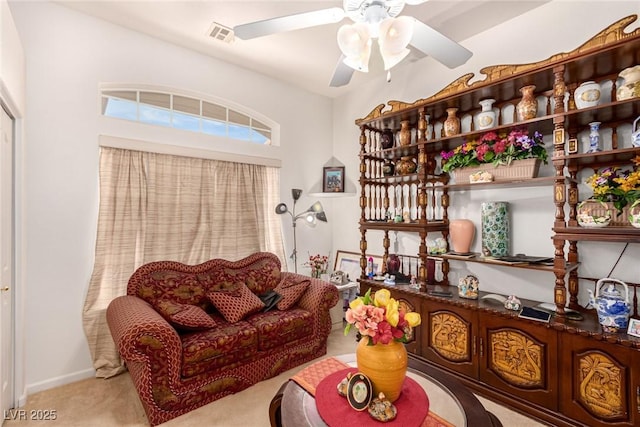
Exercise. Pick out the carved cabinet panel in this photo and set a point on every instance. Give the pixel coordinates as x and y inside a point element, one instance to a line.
<point>449,337</point>
<point>519,359</point>
<point>600,383</point>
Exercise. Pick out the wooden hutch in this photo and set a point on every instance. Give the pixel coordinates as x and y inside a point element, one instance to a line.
<point>564,372</point>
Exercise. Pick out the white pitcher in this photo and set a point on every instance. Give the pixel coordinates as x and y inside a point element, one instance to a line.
<point>635,133</point>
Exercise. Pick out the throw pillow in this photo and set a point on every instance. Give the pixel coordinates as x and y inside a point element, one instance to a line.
<point>291,290</point>
<point>237,303</point>
<point>185,316</point>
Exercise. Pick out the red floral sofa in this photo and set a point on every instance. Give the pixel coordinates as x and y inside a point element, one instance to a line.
<point>180,359</point>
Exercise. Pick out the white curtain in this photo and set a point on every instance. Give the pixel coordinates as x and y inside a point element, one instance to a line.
<point>156,207</point>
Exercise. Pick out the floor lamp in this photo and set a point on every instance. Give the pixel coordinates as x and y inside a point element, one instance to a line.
<point>315,212</point>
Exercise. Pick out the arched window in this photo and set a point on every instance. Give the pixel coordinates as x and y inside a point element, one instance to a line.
<point>189,113</point>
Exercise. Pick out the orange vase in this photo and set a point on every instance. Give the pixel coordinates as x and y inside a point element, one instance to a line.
<point>461,232</point>
<point>385,365</point>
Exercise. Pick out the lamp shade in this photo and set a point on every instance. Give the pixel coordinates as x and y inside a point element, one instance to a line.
<point>355,43</point>
<point>281,208</point>
<point>395,35</point>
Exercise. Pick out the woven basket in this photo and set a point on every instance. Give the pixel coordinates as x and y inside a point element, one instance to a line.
<point>518,169</point>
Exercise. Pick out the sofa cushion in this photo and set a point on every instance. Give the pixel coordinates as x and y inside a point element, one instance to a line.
<point>277,328</point>
<point>236,303</point>
<point>291,290</point>
<point>227,345</point>
<point>166,284</point>
<point>184,316</point>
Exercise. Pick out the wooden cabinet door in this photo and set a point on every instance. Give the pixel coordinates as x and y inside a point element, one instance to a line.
<point>449,337</point>
<point>599,382</point>
<point>519,358</point>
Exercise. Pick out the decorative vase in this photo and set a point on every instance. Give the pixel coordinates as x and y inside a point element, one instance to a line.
<point>386,139</point>
<point>429,130</point>
<point>630,86</point>
<point>452,123</point>
<point>495,229</point>
<point>634,214</point>
<point>594,137</point>
<point>587,95</point>
<point>486,117</point>
<point>405,134</point>
<point>393,262</point>
<point>461,232</point>
<point>406,165</point>
<point>388,168</point>
<point>385,365</point>
<point>527,108</point>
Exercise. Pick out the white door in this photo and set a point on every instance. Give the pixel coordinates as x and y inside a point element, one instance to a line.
<point>6,261</point>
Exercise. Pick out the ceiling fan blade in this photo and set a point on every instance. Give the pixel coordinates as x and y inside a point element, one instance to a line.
<point>438,46</point>
<point>288,23</point>
<point>342,74</point>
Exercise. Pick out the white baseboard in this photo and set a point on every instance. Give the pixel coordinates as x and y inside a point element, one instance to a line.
<point>58,381</point>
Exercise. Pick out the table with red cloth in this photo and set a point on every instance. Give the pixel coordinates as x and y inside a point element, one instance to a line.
<point>311,399</point>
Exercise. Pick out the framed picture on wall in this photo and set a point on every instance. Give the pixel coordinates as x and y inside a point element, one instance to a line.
<point>349,263</point>
<point>333,179</point>
<point>634,327</point>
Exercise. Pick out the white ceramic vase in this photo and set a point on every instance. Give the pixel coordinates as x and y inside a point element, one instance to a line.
<point>587,95</point>
<point>487,117</point>
<point>630,86</point>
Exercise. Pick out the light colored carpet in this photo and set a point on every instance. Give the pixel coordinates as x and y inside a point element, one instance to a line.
<point>114,402</point>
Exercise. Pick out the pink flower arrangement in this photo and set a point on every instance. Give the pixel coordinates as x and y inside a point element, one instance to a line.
<point>318,264</point>
<point>381,318</point>
<point>497,149</point>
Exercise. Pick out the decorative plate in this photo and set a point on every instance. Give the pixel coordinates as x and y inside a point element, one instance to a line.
<point>359,391</point>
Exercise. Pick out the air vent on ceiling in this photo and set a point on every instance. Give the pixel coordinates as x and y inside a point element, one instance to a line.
<point>220,32</point>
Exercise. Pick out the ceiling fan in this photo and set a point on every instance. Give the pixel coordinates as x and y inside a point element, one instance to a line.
<point>373,19</point>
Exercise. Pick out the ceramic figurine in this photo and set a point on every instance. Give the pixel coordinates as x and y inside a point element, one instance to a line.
<point>381,409</point>
<point>468,287</point>
<point>512,303</point>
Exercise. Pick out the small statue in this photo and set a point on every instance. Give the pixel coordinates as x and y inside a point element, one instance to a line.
<point>512,303</point>
<point>389,279</point>
<point>343,386</point>
<point>382,409</point>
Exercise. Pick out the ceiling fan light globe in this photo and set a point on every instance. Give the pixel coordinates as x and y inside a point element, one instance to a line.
<point>358,64</point>
<point>353,39</point>
<point>396,34</point>
<point>393,59</point>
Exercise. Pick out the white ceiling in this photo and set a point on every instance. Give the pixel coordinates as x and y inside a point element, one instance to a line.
<point>307,57</point>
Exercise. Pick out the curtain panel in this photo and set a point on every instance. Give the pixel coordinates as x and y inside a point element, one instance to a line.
<point>156,207</point>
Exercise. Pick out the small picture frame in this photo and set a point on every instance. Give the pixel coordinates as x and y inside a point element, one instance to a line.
<point>572,146</point>
<point>634,327</point>
<point>349,263</point>
<point>359,391</point>
<point>333,179</point>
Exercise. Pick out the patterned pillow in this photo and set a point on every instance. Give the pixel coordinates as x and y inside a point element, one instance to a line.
<point>236,303</point>
<point>185,316</point>
<point>291,290</point>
